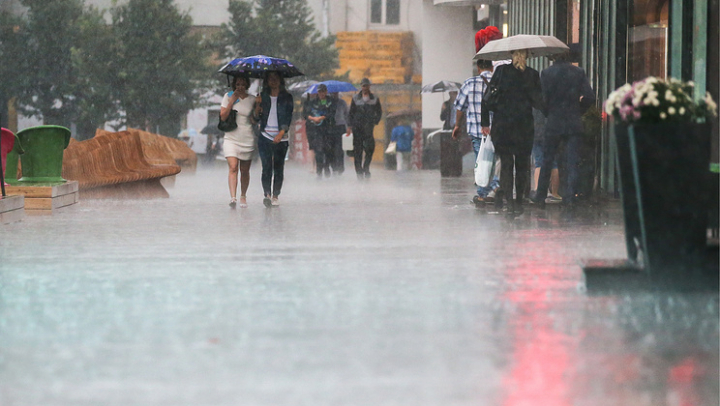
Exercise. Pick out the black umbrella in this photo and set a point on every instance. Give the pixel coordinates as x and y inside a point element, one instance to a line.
<point>211,129</point>
<point>259,65</point>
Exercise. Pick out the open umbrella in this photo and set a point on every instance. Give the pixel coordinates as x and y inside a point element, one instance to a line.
<point>441,86</point>
<point>537,45</point>
<point>301,86</point>
<point>333,86</point>
<point>259,65</point>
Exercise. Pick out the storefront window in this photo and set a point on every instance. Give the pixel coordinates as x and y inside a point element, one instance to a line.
<point>648,39</point>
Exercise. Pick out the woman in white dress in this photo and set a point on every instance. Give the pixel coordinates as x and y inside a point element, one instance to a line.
<point>240,143</point>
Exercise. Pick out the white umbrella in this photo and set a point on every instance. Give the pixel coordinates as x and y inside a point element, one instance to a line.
<point>537,45</point>
<point>441,86</point>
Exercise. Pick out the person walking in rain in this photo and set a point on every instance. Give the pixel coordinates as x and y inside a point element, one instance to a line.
<point>274,111</point>
<point>512,126</point>
<point>567,94</point>
<point>403,135</point>
<point>239,143</point>
<point>341,120</point>
<point>321,118</point>
<point>365,113</point>
<point>468,106</point>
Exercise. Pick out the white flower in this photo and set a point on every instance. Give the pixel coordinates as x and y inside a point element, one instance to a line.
<point>668,94</point>
<point>681,110</point>
<point>656,102</point>
<point>663,116</point>
<point>671,110</point>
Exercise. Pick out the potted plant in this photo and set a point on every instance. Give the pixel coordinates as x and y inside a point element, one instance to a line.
<point>663,143</point>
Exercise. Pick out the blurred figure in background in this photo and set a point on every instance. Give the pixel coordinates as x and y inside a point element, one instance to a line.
<point>321,118</point>
<point>403,135</point>
<point>447,112</point>
<point>341,120</point>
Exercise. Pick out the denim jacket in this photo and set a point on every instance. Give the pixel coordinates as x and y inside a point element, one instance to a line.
<point>284,110</point>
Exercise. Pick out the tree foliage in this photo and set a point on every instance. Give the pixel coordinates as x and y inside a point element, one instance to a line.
<point>161,63</point>
<point>279,28</point>
<point>52,30</point>
<point>13,37</point>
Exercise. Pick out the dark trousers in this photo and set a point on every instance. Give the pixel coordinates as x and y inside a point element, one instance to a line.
<point>570,163</point>
<point>338,163</point>
<point>324,149</point>
<point>363,142</point>
<point>520,162</point>
<point>272,157</point>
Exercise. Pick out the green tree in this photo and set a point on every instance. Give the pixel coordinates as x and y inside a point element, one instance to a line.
<point>13,37</point>
<point>94,59</point>
<point>279,28</point>
<point>162,66</point>
<point>49,75</point>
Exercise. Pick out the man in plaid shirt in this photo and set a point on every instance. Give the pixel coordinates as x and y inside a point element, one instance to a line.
<point>467,105</point>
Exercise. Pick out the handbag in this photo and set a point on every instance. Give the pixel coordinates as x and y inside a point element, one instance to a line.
<point>230,123</point>
<point>484,162</point>
<point>491,98</point>
<point>391,148</point>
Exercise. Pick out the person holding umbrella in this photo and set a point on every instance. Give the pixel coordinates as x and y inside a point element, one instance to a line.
<point>321,119</point>
<point>274,108</point>
<point>518,89</point>
<point>239,143</point>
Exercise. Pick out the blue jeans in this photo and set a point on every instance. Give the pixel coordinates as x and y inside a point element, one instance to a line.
<point>272,157</point>
<point>495,182</point>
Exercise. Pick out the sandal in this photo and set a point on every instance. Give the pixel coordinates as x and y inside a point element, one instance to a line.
<point>233,203</point>
<point>243,202</point>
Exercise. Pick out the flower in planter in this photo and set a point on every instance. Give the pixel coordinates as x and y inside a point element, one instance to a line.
<point>654,100</point>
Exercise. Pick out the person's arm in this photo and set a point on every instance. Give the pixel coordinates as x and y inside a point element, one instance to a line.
<point>225,110</point>
<point>459,115</point>
<point>284,125</point>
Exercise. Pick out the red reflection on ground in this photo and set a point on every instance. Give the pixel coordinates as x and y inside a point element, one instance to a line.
<point>542,356</point>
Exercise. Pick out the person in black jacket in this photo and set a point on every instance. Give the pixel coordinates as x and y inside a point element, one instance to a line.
<point>321,118</point>
<point>365,113</point>
<point>567,95</point>
<point>512,126</point>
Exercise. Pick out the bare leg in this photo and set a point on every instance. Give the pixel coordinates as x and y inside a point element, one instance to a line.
<point>244,179</point>
<point>555,183</point>
<point>232,175</point>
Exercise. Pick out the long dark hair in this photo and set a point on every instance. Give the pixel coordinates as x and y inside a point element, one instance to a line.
<point>266,88</point>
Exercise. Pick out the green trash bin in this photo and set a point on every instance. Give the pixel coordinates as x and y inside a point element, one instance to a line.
<point>44,147</point>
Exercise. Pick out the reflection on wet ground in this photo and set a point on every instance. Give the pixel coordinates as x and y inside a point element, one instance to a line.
<point>394,291</point>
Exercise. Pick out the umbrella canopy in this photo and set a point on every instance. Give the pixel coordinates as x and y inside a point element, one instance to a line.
<point>302,86</point>
<point>333,86</point>
<point>441,86</point>
<point>259,65</point>
<point>211,129</point>
<point>537,45</point>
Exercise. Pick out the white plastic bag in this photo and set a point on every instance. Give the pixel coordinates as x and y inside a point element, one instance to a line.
<point>484,162</point>
<point>347,142</point>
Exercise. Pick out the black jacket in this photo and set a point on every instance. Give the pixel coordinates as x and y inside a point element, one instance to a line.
<point>364,115</point>
<point>562,86</point>
<point>512,124</point>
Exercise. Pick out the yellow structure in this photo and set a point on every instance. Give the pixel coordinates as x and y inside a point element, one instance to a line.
<point>383,57</point>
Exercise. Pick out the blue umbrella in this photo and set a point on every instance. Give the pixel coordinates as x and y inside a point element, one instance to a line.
<point>333,86</point>
<point>259,65</point>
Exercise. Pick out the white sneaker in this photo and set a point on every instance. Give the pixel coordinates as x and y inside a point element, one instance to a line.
<point>275,201</point>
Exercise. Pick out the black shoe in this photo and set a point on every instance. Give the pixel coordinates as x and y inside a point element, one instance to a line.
<point>518,209</point>
<point>479,201</point>
<point>539,203</point>
<point>267,202</point>
<point>367,174</point>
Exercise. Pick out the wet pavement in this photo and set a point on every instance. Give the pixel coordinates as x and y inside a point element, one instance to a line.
<point>394,291</point>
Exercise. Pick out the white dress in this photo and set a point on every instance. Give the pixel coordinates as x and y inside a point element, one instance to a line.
<point>240,143</point>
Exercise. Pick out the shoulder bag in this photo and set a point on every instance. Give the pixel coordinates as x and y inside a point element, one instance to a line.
<point>491,98</point>
<point>230,123</point>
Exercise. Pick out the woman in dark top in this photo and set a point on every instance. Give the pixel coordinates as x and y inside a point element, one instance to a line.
<point>512,126</point>
<point>274,108</point>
